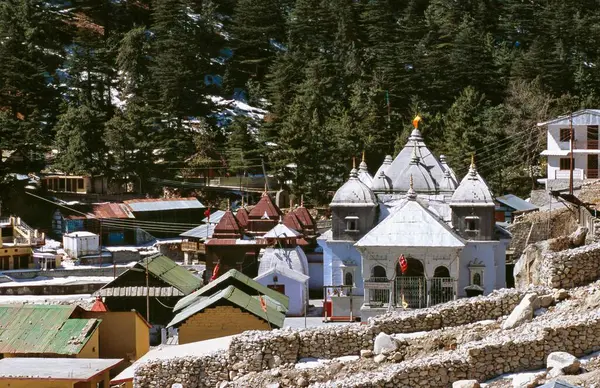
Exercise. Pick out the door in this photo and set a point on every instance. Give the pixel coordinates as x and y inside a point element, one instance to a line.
<point>592,166</point>
<point>592,137</point>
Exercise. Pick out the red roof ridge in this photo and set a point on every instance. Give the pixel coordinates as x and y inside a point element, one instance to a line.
<point>265,205</point>
<point>228,227</point>
<point>242,216</point>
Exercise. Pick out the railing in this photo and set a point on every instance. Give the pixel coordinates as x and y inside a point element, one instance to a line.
<point>592,173</point>
<point>379,291</point>
<point>192,246</point>
<point>412,291</point>
<point>442,290</point>
<point>592,144</point>
<point>564,174</point>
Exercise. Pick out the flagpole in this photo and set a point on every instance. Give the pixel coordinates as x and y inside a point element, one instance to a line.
<point>264,303</point>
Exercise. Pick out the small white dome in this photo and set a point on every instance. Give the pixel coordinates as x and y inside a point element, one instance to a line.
<point>447,184</point>
<point>354,193</point>
<point>382,182</point>
<point>472,191</point>
<point>363,173</point>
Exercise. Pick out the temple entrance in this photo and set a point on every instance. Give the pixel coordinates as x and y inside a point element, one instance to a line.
<point>442,286</point>
<point>411,287</point>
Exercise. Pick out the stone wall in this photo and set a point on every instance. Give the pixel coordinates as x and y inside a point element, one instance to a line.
<point>570,268</point>
<point>517,350</point>
<point>254,351</point>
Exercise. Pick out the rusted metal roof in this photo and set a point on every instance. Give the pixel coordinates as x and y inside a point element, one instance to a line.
<point>228,227</point>
<point>242,216</point>
<point>111,210</point>
<point>43,329</point>
<point>291,221</point>
<point>265,206</point>
<point>306,219</point>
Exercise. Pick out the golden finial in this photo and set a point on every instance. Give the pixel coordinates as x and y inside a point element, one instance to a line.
<point>228,204</point>
<point>411,182</point>
<point>473,160</point>
<point>363,156</point>
<point>416,121</point>
<point>301,200</point>
<point>354,162</point>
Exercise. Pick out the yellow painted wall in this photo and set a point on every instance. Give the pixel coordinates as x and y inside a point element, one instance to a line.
<point>36,384</point>
<point>216,322</point>
<point>16,251</point>
<point>91,349</point>
<point>123,334</point>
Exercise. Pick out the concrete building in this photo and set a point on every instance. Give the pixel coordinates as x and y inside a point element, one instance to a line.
<point>78,244</point>
<point>17,241</point>
<point>558,148</point>
<point>413,208</point>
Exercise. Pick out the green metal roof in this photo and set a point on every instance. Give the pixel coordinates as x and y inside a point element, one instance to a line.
<point>172,273</point>
<point>43,329</point>
<point>239,280</point>
<point>236,297</point>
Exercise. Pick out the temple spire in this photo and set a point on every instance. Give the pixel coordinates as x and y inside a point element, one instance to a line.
<point>363,156</point>
<point>411,194</point>
<point>301,200</point>
<point>354,162</point>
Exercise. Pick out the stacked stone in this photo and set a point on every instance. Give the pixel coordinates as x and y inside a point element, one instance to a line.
<point>336,341</point>
<point>193,372</point>
<point>571,268</point>
<point>520,349</point>
<point>456,313</point>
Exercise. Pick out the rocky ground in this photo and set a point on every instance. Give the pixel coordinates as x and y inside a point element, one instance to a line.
<point>562,306</point>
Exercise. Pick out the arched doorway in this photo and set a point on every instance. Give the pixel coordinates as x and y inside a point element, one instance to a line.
<point>442,286</point>
<point>411,286</point>
<point>378,296</point>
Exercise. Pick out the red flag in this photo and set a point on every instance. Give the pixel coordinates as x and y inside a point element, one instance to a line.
<point>215,273</point>
<point>263,304</point>
<point>207,214</point>
<point>403,264</point>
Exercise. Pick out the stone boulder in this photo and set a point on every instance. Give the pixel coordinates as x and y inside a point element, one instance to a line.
<point>384,343</point>
<point>522,313</point>
<point>563,361</point>
<point>465,384</point>
<point>578,237</point>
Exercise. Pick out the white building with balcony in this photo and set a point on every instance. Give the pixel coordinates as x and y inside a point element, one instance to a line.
<point>585,148</point>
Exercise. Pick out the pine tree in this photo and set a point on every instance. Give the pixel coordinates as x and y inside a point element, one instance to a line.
<point>243,154</point>
<point>79,141</point>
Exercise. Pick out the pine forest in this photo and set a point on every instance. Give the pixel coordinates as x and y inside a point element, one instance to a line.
<point>145,88</point>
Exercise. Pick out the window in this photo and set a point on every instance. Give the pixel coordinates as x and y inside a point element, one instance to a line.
<point>472,223</point>
<point>348,279</point>
<point>80,183</point>
<point>379,272</point>
<point>565,134</point>
<point>351,224</point>
<point>477,279</point>
<point>565,163</point>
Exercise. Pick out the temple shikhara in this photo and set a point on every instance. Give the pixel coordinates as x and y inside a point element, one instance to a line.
<point>414,210</point>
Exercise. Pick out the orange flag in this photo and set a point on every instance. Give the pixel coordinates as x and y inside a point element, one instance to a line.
<point>416,121</point>
<point>263,304</point>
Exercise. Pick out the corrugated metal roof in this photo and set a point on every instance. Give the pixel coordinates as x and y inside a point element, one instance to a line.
<point>242,216</point>
<point>215,217</point>
<point>73,369</point>
<point>228,227</point>
<point>581,117</point>
<point>172,273</point>
<point>134,291</point>
<point>237,279</point>
<point>159,204</point>
<point>559,384</point>
<point>202,231</point>
<point>43,329</point>
<point>111,210</point>
<point>265,206</point>
<point>516,203</point>
<point>236,297</point>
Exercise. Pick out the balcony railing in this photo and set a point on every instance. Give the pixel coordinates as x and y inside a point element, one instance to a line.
<point>592,173</point>
<point>564,174</point>
<point>592,144</point>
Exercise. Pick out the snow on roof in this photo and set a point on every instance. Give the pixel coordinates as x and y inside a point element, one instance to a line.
<point>411,225</point>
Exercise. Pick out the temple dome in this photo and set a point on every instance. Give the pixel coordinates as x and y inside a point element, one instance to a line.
<point>363,173</point>
<point>422,179</point>
<point>382,182</point>
<point>354,193</point>
<point>472,191</point>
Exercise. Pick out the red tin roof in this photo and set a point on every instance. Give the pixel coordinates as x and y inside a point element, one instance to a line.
<point>228,227</point>
<point>265,205</point>
<point>242,217</point>
<point>110,210</point>
<point>291,221</point>
<point>99,305</point>
<point>307,221</point>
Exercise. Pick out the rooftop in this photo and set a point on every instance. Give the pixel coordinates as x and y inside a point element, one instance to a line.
<point>43,329</point>
<point>73,369</point>
<point>203,231</point>
<point>233,296</point>
<point>516,203</point>
<point>161,204</point>
<point>228,227</point>
<point>265,206</point>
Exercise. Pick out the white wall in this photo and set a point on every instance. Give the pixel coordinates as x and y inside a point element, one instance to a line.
<point>492,254</point>
<point>554,171</point>
<point>77,246</point>
<point>294,290</point>
<point>555,144</point>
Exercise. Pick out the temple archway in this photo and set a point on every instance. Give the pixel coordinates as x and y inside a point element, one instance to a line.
<point>411,286</point>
